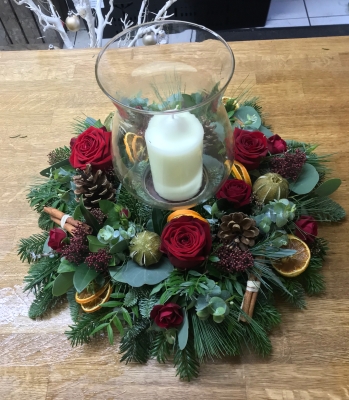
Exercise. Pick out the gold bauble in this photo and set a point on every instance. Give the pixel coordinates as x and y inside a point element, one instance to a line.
<point>145,248</point>
<point>270,187</point>
<point>72,22</point>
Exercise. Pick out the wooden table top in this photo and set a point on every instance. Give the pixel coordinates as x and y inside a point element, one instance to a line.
<point>304,86</point>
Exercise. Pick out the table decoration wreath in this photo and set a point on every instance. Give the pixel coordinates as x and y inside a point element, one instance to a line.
<point>188,285</point>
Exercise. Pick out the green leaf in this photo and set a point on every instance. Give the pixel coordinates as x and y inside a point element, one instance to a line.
<point>89,218</point>
<point>126,316</point>
<point>157,218</point>
<point>306,181</point>
<point>156,289</point>
<point>108,122</point>
<point>47,171</point>
<point>118,325</point>
<point>77,213</point>
<point>110,334</point>
<point>106,206</point>
<point>62,283</point>
<point>117,295</point>
<point>119,247</point>
<point>66,266</point>
<point>268,133</point>
<point>328,187</point>
<point>183,331</point>
<point>99,328</point>
<point>187,101</point>
<point>213,258</point>
<point>94,244</point>
<point>137,276</point>
<point>83,276</point>
<point>249,117</point>
<point>111,304</point>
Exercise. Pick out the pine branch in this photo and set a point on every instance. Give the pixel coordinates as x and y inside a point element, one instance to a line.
<point>296,294</point>
<point>74,307</point>
<point>160,348</point>
<point>43,302</point>
<point>266,315</point>
<point>319,247</point>
<point>59,154</point>
<point>136,343</point>
<point>186,361</point>
<point>45,223</point>
<point>46,194</point>
<point>41,274</point>
<point>321,208</point>
<point>80,332</point>
<point>146,305</point>
<point>312,279</point>
<point>31,245</point>
<point>215,340</point>
<point>139,211</point>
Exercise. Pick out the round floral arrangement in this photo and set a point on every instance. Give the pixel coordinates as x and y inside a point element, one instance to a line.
<point>192,284</point>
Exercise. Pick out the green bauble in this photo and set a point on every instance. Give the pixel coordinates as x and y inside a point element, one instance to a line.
<point>270,187</point>
<point>145,248</point>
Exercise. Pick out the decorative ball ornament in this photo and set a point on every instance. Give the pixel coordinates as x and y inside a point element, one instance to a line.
<point>270,187</point>
<point>72,22</point>
<point>145,248</point>
<point>149,39</point>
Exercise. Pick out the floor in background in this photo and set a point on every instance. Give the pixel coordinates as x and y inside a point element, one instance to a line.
<point>282,14</point>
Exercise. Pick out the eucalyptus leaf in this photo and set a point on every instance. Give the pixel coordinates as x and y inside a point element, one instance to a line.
<point>83,276</point>
<point>183,331</point>
<point>62,283</point>
<point>268,133</point>
<point>47,171</point>
<point>328,187</point>
<point>306,181</point>
<point>137,276</point>
<point>46,248</point>
<point>249,117</point>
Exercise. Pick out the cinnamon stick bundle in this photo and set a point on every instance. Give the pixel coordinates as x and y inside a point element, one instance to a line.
<point>70,224</point>
<point>250,297</point>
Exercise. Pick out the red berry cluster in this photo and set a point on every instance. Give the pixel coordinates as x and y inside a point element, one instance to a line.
<point>233,259</point>
<point>99,261</point>
<point>77,249</point>
<point>289,165</point>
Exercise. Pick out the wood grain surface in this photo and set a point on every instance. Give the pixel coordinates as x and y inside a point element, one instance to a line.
<point>304,86</point>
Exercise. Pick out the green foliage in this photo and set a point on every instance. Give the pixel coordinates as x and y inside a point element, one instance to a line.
<point>31,246</point>
<point>43,302</point>
<point>257,338</point>
<point>160,347</point>
<point>41,273</point>
<point>130,298</point>
<point>46,194</point>
<point>312,279</point>
<point>80,332</point>
<point>139,211</point>
<point>136,343</point>
<point>59,154</point>
<point>74,307</point>
<point>81,124</point>
<point>45,223</point>
<point>186,361</point>
<point>266,315</point>
<point>295,294</point>
<point>321,208</point>
<point>319,248</point>
<point>146,305</point>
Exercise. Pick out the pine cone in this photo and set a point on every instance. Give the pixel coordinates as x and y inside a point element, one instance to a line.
<point>210,137</point>
<point>93,187</point>
<point>239,228</point>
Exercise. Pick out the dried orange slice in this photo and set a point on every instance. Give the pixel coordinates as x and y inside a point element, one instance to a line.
<point>85,296</point>
<point>139,149</point>
<point>128,139</point>
<point>297,263</point>
<point>240,172</point>
<point>187,213</point>
<point>95,304</point>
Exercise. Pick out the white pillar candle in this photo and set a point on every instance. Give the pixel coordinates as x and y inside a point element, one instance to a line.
<point>175,144</point>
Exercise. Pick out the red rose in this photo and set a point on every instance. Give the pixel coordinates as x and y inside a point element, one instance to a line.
<point>276,145</point>
<point>306,228</point>
<point>235,191</point>
<point>92,147</point>
<point>250,147</point>
<point>186,241</point>
<point>56,237</point>
<point>167,316</point>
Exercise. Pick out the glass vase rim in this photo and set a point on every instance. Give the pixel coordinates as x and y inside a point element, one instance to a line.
<point>207,100</point>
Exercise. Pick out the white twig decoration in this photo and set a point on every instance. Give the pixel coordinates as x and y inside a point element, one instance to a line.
<point>52,21</point>
<point>101,21</point>
<point>83,8</point>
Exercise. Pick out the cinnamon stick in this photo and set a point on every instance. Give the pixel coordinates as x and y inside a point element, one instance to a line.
<point>68,227</point>
<point>58,215</point>
<point>250,297</point>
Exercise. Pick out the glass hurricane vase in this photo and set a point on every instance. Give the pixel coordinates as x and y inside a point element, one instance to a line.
<point>171,140</point>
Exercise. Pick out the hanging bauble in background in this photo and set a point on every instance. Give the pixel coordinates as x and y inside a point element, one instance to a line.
<point>72,22</point>
<point>149,39</point>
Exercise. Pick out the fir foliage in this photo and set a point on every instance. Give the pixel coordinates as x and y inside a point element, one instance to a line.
<point>312,279</point>
<point>136,343</point>
<point>74,307</point>
<point>45,223</point>
<point>43,302</point>
<point>266,315</point>
<point>295,294</point>
<point>146,305</point>
<point>186,361</point>
<point>81,331</point>
<point>59,154</point>
<point>160,347</point>
<point>139,211</point>
<point>41,273</point>
<point>46,194</point>
<point>321,208</point>
<point>31,246</point>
